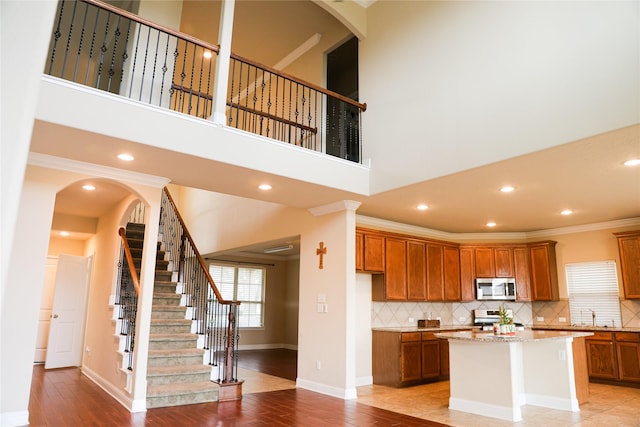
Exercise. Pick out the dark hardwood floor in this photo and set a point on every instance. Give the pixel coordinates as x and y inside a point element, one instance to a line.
<point>279,362</point>
<point>65,397</point>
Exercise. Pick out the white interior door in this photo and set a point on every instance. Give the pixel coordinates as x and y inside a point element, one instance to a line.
<point>46,304</point>
<point>66,331</point>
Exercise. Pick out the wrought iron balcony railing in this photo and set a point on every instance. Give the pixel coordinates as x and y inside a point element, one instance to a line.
<point>104,47</point>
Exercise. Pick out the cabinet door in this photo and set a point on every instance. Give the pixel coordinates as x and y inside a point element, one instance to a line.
<point>629,249</point>
<point>395,271</point>
<point>430,358</point>
<point>503,261</point>
<point>485,266</point>
<point>452,291</point>
<point>544,274</point>
<point>410,361</point>
<point>416,270</point>
<point>444,358</point>
<point>628,361</point>
<point>521,273</point>
<point>373,252</point>
<point>359,251</point>
<point>435,273</point>
<point>467,274</point>
<point>601,359</point>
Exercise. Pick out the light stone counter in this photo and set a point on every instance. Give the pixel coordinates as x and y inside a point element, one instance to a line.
<point>520,336</point>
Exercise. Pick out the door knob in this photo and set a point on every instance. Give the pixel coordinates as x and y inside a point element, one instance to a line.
<point>55,316</point>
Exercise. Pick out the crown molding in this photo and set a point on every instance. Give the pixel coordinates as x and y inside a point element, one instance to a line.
<point>428,232</point>
<point>343,205</point>
<point>52,162</point>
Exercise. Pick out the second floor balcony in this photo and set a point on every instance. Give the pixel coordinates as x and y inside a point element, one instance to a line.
<point>101,46</point>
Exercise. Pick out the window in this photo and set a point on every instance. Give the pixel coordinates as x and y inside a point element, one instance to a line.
<point>244,284</point>
<point>593,288</point>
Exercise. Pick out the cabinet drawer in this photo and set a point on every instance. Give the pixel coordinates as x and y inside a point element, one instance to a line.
<point>410,336</point>
<point>628,336</point>
<point>429,336</point>
<point>601,336</point>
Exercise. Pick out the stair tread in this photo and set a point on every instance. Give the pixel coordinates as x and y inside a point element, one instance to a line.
<point>182,388</point>
<point>171,321</point>
<point>167,308</point>
<point>176,352</point>
<point>177,369</point>
<point>173,337</point>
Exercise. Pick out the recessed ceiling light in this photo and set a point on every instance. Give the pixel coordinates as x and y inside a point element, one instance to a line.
<point>64,233</point>
<point>207,54</point>
<point>125,157</point>
<point>632,162</point>
<point>507,189</point>
<point>566,212</point>
<point>422,207</point>
<point>264,187</point>
<point>88,187</point>
<point>491,224</point>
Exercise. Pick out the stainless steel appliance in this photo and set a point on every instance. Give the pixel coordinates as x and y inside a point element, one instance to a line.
<point>486,318</point>
<point>503,289</point>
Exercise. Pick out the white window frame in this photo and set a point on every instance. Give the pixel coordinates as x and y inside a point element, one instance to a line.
<point>593,290</point>
<point>247,309</point>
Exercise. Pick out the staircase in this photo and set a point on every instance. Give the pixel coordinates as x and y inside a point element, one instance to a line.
<point>176,374</point>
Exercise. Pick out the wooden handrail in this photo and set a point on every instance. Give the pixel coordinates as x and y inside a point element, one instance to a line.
<point>140,20</point>
<point>216,49</point>
<point>132,267</point>
<point>203,265</point>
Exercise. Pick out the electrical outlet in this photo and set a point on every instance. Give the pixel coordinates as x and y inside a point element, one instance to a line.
<point>461,319</point>
<point>411,319</point>
<point>540,319</point>
<point>562,319</point>
<point>562,355</point>
<point>318,365</point>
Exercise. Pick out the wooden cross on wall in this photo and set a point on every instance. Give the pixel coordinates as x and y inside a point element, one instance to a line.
<point>321,251</point>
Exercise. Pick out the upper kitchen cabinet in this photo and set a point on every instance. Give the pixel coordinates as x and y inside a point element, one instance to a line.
<point>359,251</point>
<point>629,247</point>
<point>493,261</point>
<point>521,273</point>
<point>543,271</point>
<point>371,250</point>
<point>452,288</point>
<point>416,270</point>
<point>394,281</point>
<point>467,274</point>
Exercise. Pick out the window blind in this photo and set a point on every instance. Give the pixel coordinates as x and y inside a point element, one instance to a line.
<point>593,288</point>
<point>243,284</point>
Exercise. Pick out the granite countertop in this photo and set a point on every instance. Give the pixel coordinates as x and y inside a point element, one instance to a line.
<point>520,336</point>
<point>584,328</point>
<point>417,329</point>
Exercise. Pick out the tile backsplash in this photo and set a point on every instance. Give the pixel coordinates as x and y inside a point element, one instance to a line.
<point>399,314</point>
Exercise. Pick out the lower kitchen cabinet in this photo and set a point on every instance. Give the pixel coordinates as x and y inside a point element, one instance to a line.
<point>408,358</point>
<point>628,355</point>
<point>601,357</point>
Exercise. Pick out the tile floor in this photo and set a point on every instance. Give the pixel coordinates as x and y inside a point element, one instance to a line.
<point>609,406</point>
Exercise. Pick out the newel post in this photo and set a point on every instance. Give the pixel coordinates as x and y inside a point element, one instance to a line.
<point>230,387</point>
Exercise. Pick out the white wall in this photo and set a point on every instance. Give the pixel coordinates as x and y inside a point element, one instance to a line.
<point>469,83</point>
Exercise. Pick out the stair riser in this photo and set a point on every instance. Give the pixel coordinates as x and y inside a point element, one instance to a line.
<point>167,314</point>
<point>183,399</point>
<point>172,345</point>
<point>171,329</point>
<point>163,276</point>
<point>178,379</point>
<point>174,361</point>
<point>169,288</point>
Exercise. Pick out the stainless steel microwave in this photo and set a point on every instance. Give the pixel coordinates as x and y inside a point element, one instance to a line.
<point>503,289</point>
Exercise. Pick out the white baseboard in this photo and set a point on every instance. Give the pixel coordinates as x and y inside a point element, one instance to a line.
<point>360,381</point>
<point>485,409</point>
<point>563,404</point>
<point>119,394</point>
<point>341,393</point>
<point>14,419</point>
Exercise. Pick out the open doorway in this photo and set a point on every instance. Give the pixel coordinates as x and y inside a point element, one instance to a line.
<point>343,120</point>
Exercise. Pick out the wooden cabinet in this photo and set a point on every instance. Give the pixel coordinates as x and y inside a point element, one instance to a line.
<point>467,274</point>
<point>410,356</point>
<point>452,290</point>
<point>628,356</point>
<point>416,270</point>
<point>601,357</point>
<point>435,273</point>
<point>503,259</point>
<point>543,271</point>
<point>359,251</point>
<point>521,273</point>
<point>373,253</point>
<point>395,269</point>
<point>430,356</point>
<point>629,249</point>
<point>485,263</point>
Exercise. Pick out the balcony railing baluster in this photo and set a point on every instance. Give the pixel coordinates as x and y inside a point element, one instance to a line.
<point>287,109</point>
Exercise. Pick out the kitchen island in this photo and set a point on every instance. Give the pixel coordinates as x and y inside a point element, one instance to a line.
<point>494,375</point>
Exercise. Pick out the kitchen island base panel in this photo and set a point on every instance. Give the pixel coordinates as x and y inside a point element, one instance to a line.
<point>496,378</point>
